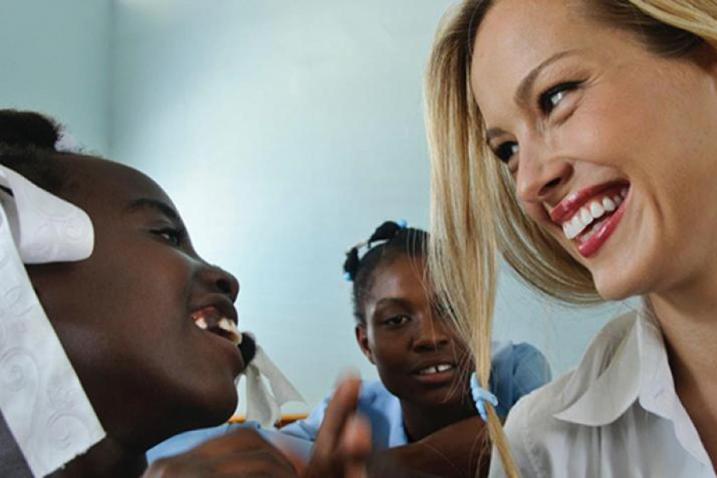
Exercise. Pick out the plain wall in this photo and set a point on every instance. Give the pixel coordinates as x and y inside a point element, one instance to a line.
<point>286,132</point>
<point>55,58</point>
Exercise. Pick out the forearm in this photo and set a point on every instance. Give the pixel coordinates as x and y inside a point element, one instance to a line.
<point>459,450</point>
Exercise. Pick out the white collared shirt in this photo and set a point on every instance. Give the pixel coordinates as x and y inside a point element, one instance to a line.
<point>616,415</point>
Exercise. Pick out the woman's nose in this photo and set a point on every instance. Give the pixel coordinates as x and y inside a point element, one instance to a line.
<point>541,174</point>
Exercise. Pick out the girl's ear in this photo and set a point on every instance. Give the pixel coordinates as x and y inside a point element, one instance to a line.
<point>362,340</point>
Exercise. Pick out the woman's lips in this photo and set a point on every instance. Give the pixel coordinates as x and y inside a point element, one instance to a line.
<point>590,216</point>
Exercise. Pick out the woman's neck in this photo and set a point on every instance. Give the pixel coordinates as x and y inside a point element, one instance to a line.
<point>107,459</point>
<point>688,319</point>
<point>422,420</point>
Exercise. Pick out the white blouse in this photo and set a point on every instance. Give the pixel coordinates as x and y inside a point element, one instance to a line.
<point>616,415</point>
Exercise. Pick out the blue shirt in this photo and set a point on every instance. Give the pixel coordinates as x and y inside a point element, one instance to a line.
<point>516,370</point>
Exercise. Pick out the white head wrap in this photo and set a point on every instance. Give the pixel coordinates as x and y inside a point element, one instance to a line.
<point>41,398</point>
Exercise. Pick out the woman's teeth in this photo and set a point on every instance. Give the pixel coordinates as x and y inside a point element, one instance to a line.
<point>590,212</point>
<point>435,369</point>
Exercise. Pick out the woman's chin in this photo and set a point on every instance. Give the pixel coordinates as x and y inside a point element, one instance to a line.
<point>615,286</point>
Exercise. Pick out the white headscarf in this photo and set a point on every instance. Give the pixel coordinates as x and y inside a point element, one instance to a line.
<point>41,397</point>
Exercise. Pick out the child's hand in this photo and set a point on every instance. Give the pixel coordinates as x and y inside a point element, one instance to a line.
<point>343,444</point>
<point>241,453</point>
<point>341,449</point>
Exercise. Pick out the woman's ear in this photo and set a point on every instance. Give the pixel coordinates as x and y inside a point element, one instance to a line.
<point>362,340</point>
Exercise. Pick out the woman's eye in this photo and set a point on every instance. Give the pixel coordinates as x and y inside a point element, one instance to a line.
<point>505,151</point>
<point>172,236</point>
<point>549,100</point>
<point>397,320</point>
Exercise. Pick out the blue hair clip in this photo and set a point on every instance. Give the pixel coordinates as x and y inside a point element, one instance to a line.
<point>347,277</point>
<point>480,396</point>
<point>402,223</point>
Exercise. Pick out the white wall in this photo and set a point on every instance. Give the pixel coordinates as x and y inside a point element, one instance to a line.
<point>55,58</point>
<point>286,131</point>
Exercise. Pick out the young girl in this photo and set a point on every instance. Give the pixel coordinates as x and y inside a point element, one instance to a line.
<point>423,365</point>
<point>578,139</point>
<point>138,320</point>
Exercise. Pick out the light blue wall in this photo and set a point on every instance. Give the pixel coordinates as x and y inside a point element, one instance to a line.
<point>55,58</point>
<point>286,131</point>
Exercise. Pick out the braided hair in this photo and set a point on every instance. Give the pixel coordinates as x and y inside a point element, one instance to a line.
<point>27,146</point>
<point>394,240</point>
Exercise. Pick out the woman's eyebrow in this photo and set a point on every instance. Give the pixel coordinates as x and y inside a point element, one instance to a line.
<point>154,204</point>
<point>525,86</point>
<point>522,93</point>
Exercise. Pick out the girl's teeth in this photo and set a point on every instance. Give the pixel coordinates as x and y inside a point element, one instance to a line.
<point>618,200</point>
<point>230,327</point>
<point>436,369</point>
<point>201,323</point>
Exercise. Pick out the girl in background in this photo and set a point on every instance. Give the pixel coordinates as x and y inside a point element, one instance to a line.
<point>424,367</point>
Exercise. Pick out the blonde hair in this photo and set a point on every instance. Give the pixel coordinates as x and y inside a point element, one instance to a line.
<point>474,212</point>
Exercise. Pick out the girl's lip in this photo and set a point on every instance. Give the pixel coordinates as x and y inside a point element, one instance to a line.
<point>573,202</point>
<point>238,363</point>
<point>434,379</point>
<point>591,246</point>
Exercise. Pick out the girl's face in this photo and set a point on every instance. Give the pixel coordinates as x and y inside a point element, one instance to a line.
<point>613,149</point>
<point>418,356</point>
<point>126,316</point>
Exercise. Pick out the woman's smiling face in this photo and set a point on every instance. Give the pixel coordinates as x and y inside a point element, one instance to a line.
<point>612,148</point>
<point>126,316</point>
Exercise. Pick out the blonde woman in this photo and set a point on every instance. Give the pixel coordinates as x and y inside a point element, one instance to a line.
<point>579,139</point>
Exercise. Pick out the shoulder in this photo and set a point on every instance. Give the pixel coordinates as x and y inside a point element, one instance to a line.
<point>510,355</point>
<point>539,440</point>
<point>375,397</point>
<point>516,369</point>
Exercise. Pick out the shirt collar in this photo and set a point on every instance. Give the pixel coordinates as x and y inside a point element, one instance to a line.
<point>607,381</point>
<point>634,369</point>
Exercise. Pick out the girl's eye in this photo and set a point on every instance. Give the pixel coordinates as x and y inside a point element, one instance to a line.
<point>171,235</point>
<point>549,100</point>
<point>505,151</point>
<point>397,320</point>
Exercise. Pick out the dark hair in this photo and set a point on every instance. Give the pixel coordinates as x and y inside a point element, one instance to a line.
<point>27,146</point>
<point>395,241</point>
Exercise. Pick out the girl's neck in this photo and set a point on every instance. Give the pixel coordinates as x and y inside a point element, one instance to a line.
<point>422,420</point>
<point>107,459</point>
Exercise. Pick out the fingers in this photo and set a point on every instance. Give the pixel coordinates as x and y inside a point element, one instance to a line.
<point>355,447</point>
<point>239,454</point>
<point>344,440</point>
<point>340,408</point>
